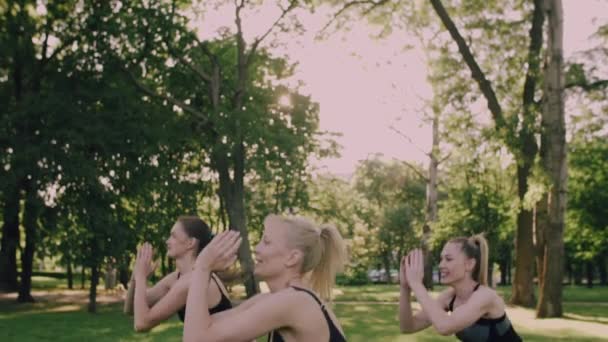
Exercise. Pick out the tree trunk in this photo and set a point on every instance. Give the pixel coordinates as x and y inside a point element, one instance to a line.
<point>123,276</point>
<point>92,307</point>
<point>578,274</point>
<point>523,286</point>
<point>233,193</point>
<point>589,273</point>
<point>386,259</point>
<point>238,221</point>
<point>10,242</point>
<point>601,269</point>
<point>70,274</point>
<point>30,223</point>
<point>540,229</point>
<point>82,276</point>
<point>502,267</point>
<point>431,204</point>
<point>554,127</point>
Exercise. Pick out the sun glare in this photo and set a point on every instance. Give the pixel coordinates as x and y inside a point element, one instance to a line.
<point>285,101</point>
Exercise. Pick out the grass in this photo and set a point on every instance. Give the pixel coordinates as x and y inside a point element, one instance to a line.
<point>390,293</point>
<point>367,313</point>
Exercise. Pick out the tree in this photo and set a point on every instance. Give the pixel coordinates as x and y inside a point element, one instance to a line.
<point>553,160</point>
<point>226,84</point>
<point>393,205</point>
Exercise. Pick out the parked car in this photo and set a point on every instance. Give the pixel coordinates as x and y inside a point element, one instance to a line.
<point>379,276</point>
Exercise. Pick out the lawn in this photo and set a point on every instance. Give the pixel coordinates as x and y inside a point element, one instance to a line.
<point>367,313</point>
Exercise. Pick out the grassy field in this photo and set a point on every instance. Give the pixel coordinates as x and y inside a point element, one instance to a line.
<point>367,313</point>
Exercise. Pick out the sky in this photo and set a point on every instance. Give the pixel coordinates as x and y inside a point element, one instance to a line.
<point>364,85</point>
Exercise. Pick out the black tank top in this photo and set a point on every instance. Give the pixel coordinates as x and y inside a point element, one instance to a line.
<point>487,329</point>
<point>334,333</point>
<point>224,303</point>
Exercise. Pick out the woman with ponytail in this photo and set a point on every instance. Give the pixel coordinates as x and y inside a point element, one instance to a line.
<point>298,260</point>
<point>151,306</point>
<point>476,312</point>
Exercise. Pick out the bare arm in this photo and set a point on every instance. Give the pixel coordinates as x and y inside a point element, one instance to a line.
<point>465,315</point>
<point>410,322</point>
<point>147,317</point>
<point>254,319</point>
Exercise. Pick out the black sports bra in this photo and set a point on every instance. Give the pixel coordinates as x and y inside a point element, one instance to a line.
<point>334,333</point>
<point>487,329</point>
<point>224,303</point>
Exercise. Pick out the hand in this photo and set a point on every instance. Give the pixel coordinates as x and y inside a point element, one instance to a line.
<point>402,271</point>
<point>220,253</point>
<point>414,272</point>
<point>143,264</point>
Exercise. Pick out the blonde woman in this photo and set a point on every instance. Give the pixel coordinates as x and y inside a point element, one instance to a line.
<point>298,260</point>
<point>477,312</point>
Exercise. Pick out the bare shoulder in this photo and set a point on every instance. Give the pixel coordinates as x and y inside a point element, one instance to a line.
<point>445,296</point>
<point>490,299</point>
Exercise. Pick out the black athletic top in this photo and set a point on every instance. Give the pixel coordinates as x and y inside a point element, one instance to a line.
<point>334,333</point>
<point>487,329</point>
<point>224,303</point>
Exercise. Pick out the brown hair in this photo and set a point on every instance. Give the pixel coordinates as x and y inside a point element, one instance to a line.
<point>476,247</point>
<point>323,248</point>
<point>196,228</point>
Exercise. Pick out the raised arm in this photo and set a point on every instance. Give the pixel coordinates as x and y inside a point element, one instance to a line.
<point>409,322</point>
<point>465,315</point>
<point>253,319</point>
<point>168,302</point>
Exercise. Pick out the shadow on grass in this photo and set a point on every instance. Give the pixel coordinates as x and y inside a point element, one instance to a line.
<point>42,322</point>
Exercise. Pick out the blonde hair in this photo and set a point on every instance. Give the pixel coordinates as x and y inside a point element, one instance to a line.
<point>476,247</point>
<point>323,248</point>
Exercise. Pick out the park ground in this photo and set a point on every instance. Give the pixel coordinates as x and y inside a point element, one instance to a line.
<point>367,313</point>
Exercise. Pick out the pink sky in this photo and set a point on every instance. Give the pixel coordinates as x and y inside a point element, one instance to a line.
<point>363,84</point>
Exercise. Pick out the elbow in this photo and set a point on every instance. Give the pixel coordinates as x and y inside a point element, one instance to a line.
<point>196,338</point>
<point>444,330</point>
<point>142,326</point>
<point>406,329</point>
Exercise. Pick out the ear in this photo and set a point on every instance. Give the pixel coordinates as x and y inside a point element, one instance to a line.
<point>192,243</point>
<point>294,257</point>
<point>469,264</point>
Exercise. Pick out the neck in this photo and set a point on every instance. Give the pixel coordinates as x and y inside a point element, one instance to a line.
<point>283,281</point>
<point>184,263</point>
<point>464,288</point>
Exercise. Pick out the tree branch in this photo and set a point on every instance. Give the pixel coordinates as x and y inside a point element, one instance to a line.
<point>403,135</point>
<point>145,89</point>
<point>536,41</point>
<point>597,85</point>
<point>292,5</point>
<point>413,168</point>
<point>350,4</point>
<point>479,76</point>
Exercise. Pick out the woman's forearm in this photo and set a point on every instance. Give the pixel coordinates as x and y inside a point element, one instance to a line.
<point>406,316</point>
<point>128,306</point>
<point>198,319</point>
<point>433,310</point>
<point>140,304</point>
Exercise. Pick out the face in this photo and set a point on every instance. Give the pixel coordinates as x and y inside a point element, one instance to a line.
<point>179,243</point>
<point>454,265</point>
<point>272,253</point>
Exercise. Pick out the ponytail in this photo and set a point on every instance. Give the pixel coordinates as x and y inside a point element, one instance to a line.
<point>333,257</point>
<point>323,249</point>
<point>476,247</point>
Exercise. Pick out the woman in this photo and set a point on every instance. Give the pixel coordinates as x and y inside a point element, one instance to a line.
<point>298,261</point>
<point>152,306</point>
<point>477,311</point>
